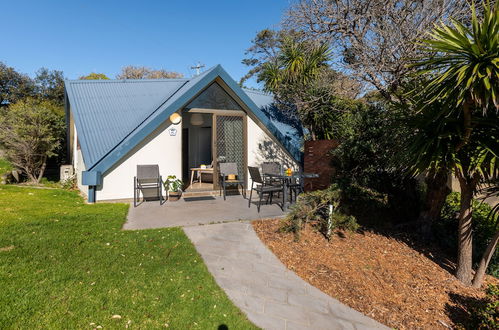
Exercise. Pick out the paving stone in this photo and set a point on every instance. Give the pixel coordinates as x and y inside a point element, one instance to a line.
<point>272,294</point>
<point>308,302</point>
<point>322,321</point>
<point>287,285</point>
<point>265,321</point>
<point>228,283</point>
<point>288,312</point>
<point>273,269</point>
<point>255,304</point>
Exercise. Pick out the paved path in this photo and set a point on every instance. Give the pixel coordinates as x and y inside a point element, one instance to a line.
<point>272,296</point>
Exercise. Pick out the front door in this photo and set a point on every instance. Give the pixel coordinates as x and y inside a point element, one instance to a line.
<point>229,142</point>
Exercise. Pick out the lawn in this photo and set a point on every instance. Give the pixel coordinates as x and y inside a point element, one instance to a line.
<point>65,264</point>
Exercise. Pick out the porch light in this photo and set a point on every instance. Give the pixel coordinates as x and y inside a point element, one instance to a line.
<point>175,118</point>
<point>197,119</point>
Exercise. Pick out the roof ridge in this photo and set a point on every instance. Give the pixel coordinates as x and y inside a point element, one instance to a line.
<point>86,81</point>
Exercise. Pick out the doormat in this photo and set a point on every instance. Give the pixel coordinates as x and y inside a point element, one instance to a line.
<point>195,199</point>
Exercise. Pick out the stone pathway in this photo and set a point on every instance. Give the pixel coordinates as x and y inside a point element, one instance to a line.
<point>272,296</point>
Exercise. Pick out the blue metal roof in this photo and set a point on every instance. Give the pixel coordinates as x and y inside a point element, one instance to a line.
<point>113,116</point>
<point>106,111</point>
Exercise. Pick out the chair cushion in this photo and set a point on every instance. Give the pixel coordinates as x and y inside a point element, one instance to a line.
<point>233,181</point>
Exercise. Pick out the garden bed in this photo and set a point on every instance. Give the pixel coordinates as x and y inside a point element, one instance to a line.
<point>402,284</point>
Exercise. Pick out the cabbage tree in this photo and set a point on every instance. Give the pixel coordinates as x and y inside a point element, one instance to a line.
<point>462,74</point>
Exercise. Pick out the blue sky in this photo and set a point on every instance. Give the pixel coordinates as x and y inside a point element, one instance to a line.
<point>79,37</point>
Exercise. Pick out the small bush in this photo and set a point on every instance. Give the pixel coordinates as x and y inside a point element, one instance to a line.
<point>314,208</point>
<point>69,183</point>
<point>484,228</point>
<point>484,314</point>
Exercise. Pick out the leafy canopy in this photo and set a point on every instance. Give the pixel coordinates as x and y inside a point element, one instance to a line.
<point>462,63</point>
<point>94,76</point>
<point>30,132</point>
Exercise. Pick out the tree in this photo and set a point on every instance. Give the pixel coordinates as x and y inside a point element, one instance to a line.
<point>373,40</point>
<point>13,85</point>
<point>462,68</point>
<point>142,72</point>
<point>49,85</point>
<point>265,48</point>
<point>304,85</point>
<point>94,76</point>
<point>30,133</point>
<point>269,44</point>
<point>491,190</point>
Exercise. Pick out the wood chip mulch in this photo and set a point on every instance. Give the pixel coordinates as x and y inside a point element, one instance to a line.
<point>400,284</point>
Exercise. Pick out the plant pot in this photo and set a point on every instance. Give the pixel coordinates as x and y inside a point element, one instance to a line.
<point>174,196</point>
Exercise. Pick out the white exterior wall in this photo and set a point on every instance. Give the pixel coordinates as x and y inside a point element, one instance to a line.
<point>262,148</point>
<point>158,148</point>
<point>77,159</point>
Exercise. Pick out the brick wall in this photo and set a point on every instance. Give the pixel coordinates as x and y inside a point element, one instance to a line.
<point>317,159</point>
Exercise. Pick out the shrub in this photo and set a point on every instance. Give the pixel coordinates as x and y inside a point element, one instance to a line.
<point>69,183</point>
<point>484,228</point>
<point>314,208</point>
<point>484,314</point>
<point>367,164</point>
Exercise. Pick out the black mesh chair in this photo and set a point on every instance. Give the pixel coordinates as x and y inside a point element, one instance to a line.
<point>261,187</point>
<point>295,188</point>
<point>271,168</point>
<point>225,170</point>
<point>149,183</point>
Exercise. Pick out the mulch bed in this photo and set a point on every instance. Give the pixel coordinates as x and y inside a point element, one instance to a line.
<point>402,284</point>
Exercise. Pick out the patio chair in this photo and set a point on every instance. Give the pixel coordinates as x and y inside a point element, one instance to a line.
<point>271,168</point>
<point>295,187</point>
<point>225,170</point>
<point>149,183</point>
<point>261,187</point>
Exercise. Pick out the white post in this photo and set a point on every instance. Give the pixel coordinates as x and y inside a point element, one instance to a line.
<point>330,221</point>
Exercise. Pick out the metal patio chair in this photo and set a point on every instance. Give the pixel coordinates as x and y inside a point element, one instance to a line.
<point>271,168</point>
<point>229,168</point>
<point>149,183</point>
<point>261,187</point>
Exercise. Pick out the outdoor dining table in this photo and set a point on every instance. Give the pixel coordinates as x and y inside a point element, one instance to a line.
<point>286,181</point>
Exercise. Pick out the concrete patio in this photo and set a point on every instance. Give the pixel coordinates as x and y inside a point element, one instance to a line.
<point>192,211</point>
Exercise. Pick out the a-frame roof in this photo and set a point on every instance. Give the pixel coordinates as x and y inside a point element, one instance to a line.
<point>113,116</point>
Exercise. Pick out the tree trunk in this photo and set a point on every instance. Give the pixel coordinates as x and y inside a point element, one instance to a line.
<point>437,191</point>
<point>465,233</point>
<point>42,170</point>
<point>484,262</point>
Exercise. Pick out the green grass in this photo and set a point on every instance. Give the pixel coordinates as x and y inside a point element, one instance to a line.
<point>5,166</point>
<point>65,264</point>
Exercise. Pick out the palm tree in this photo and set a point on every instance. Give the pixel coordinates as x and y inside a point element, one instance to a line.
<point>462,75</point>
<point>298,78</point>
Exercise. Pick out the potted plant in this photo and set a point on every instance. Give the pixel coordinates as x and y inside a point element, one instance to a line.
<point>174,188</point>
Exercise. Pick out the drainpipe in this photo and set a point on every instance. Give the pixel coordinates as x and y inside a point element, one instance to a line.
<point>91,194</point>
<point>92,179</point>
